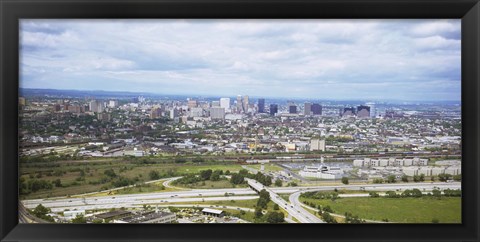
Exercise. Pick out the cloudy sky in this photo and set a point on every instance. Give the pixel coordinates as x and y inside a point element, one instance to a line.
<point>321,59</point>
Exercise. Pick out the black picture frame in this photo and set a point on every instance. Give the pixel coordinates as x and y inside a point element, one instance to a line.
<point>13,10</point>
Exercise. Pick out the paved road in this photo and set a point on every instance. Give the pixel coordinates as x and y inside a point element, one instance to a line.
<point>135,200</point>
<point>170,180</point>
<point>298,212</point>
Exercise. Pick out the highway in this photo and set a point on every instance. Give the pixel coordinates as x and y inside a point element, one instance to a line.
<point>186,196</point>
<point>297,212</point>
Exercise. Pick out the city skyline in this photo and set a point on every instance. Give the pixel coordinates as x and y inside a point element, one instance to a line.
<point>410,60</point>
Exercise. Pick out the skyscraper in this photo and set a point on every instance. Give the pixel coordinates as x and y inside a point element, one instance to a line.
<point>291,107</point>
<point>273,109</point>
<point>348,111</point>
<point>363,111</point>
<point>225,103</point>
<point>373,111</point>
<point>245,103</point>
<point>261,105</point>
<point>192,104</point>
<point>316,109</point>
<point>93,106</point>
<point>308,108</point>
<point>173,113</point>
<point>239,104</point>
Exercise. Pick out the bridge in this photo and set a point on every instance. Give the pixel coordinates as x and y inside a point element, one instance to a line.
<point>295,210</point>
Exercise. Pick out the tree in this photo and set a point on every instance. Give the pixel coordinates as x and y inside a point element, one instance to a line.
<point>345,180</point>
<point>110,172</point>
<point>205,174</point>
<point>154,175</point>
<point>444,177</point>
<point>328,218</point>
<point>79,219</point>
<point>276,207</point>
<point>275,217</point>
<point>373,194</point>
<point>237,179</point>
<point>436,192</point>
<point>264,199</point>
<point>258,212</point>
<point>457,177</point>
<point>292,184</point>
<point>278,183</point>
<point>391,194</point>
<point>404,178</point>
<point>216,175</point>
<point>391,179</point>
<point>57,183</point>
<point>416,178</point>
<point>41,211</point>
<point>422,177</point>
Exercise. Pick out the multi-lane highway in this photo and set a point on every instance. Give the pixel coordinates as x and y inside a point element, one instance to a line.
<point>297,212</point>
<point>186,196</point>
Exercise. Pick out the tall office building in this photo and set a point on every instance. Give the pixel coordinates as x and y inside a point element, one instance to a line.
<point>316,109</point>
<point>96,106</point>
<point>100,106</point>
<point>225,103</point>
<point>245,103</point>
<point>273,109</point>
<point>261,105</point>
<point>239,104</point>
<point>174,113</point>
<point>93,106</point>
<point>373,111</point>
<point>156,112</point>
<point>363,111</point>
<point>217,113</point>
<point>113,103</point>
<point>192,104</point>
<point>307,108</point>
<point>292,108</point>
<point>348,111</point>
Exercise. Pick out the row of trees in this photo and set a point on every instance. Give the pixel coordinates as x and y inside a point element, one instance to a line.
<point>239,178</point>
<point>320,195</point>
<point>203,175</point>
<point>418,178</point>
<point>417,193</point>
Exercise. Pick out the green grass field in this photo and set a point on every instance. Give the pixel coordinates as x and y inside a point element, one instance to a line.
<point>401,210</point>
<point>69,172</point>
<point>267,167</point>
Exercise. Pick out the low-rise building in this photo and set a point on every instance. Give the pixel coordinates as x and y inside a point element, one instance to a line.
<point>213,212</point>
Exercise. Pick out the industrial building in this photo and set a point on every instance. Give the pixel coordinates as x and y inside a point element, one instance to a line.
<point>317,144</point>
<point>321,172</point>
<point>150,217</point>
<point>213,212</point>
<point>392,161</point>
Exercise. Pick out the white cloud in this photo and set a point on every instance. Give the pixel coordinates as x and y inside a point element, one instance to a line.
<point>329,58</point>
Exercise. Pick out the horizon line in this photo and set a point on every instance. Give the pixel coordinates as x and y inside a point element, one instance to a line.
<point>234,95</point>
